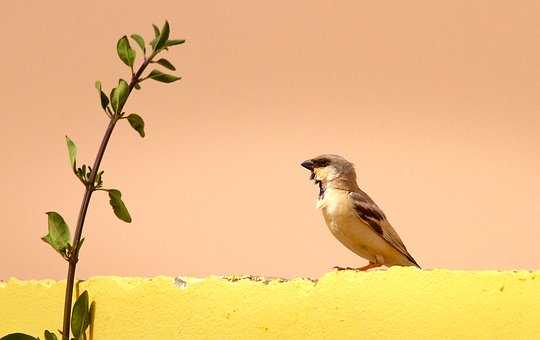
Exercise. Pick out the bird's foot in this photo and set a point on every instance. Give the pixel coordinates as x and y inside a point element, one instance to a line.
<point>369,266</point>
<point>344,268</point>
<point>361,269</point>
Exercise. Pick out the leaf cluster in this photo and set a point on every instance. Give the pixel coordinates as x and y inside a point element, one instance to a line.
<point>114,103</point>
<point>59,234</point>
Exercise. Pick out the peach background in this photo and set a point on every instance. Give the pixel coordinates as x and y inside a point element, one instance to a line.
<point>437,103</point>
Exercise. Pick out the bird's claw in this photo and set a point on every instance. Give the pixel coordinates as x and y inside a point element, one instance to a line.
<point>338,268</point>
<point>361,269</point>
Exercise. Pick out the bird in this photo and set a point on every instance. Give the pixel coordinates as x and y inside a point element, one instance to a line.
<point>353,217</point>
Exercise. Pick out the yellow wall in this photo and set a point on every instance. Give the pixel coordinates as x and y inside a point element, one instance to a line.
<point>400,303</point>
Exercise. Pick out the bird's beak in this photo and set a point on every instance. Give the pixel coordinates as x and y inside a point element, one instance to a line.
<point>308,165</point>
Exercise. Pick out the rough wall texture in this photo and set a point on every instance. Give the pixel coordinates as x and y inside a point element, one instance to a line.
<point>400,303</point>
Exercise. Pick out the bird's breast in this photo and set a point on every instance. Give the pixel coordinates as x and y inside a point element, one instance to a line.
<point>336,208</point>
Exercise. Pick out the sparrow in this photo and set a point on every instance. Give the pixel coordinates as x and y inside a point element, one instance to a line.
<point>353,217</point>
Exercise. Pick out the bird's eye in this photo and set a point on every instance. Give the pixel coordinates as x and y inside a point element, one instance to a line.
<point>321,162</point>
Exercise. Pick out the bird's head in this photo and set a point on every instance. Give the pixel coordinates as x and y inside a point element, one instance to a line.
<point>331,170</point>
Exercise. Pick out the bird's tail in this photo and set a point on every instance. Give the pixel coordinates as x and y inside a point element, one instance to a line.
<point>413,261</point>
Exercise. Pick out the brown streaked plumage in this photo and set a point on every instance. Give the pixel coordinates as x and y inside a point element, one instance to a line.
<point>353,217</point>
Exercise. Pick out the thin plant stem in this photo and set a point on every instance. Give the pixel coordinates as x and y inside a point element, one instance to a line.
<point>90,188</point>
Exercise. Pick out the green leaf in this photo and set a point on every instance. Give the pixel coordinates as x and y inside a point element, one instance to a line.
<point>162,77</point>
<point>119,95</point>
<point>79,246</point>
<point>174,42</point>
<point>136,123</point>
<point>92,312</point>
<point>113,90</point>
<point>72,152</point>
<point>165,63</point>
<point>17,336</point>
<point>156,31</point>
<point>156,36</point>
<point>58,236</point>
<point>103,96</point>
<point>99,181</point>
<point>125,52</point>
<point>163,37</point>
<point>50,336</point>
<point>118,205</point>
<point>81,316</point>
<point>140,41</point>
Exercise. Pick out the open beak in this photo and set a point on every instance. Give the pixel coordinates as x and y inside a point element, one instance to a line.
<point>310,166</point>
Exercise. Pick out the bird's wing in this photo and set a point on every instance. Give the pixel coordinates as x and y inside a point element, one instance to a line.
<point>373,216</point>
